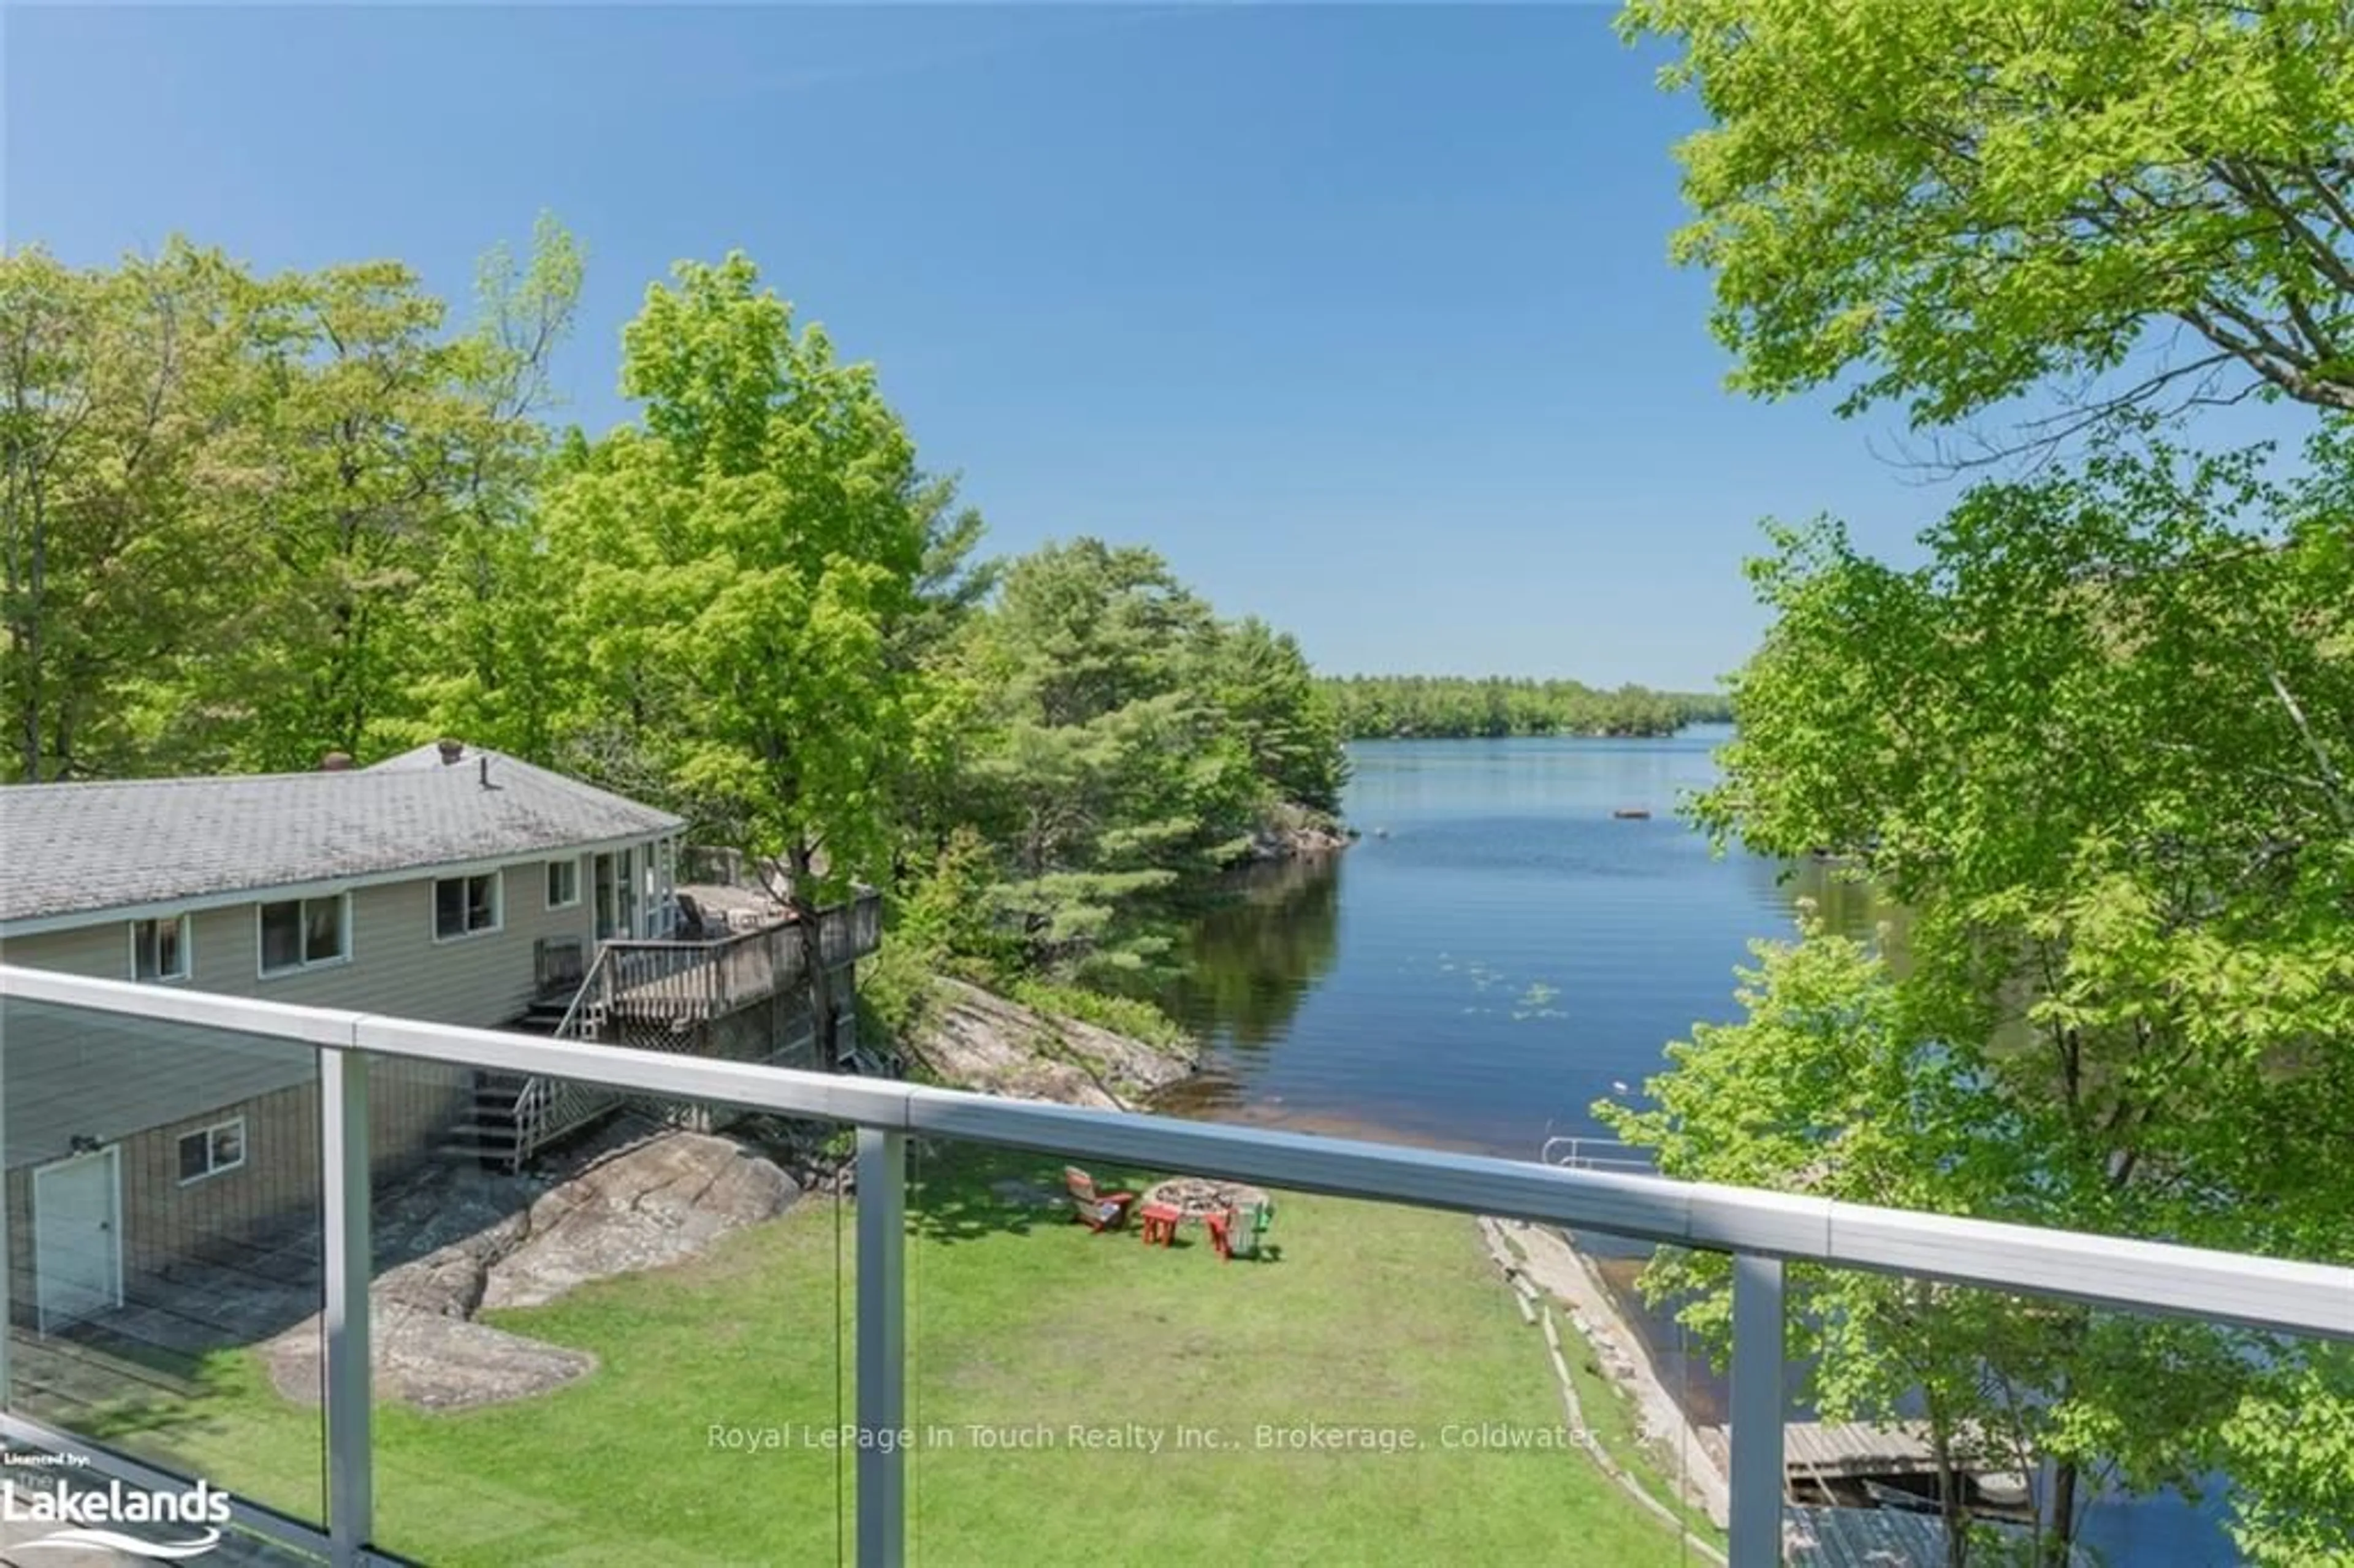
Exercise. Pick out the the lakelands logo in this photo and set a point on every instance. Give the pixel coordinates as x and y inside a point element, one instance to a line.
<point>86,1516</point>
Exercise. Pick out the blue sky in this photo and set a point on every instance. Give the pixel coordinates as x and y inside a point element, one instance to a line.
<point>1360,316</point>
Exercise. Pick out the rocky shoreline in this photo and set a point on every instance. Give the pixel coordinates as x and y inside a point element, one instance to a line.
<point>1303,843</point>
<point>1292,831</point>
<point>974,1039</point>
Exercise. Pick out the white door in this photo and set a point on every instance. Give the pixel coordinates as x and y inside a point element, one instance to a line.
<point>76,1221</point>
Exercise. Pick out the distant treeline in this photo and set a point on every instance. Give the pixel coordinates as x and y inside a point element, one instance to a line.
<point>1448,706</point>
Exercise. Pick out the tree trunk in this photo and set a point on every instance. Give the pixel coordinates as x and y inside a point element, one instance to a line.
<point>2056,1545</point>
<point>798,900</point>
<point>1949,1493</point>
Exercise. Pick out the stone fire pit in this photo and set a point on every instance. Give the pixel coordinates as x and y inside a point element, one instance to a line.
<point>1196,1197</point>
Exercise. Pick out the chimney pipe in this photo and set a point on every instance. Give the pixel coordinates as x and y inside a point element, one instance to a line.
<point>335,762</point>
<point>451,750</point>
<point>485,774</point>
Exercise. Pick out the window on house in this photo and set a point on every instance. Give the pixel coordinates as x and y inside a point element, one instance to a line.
<point>210,1151</point>
<point>298,932</point>
<point>563,883</point>
<point>465,905</point>
<point>159,949</point>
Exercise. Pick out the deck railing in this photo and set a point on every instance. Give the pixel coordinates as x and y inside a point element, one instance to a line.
<point>693,980</point>
<point>1761,1230</point>
<point>638,980</point>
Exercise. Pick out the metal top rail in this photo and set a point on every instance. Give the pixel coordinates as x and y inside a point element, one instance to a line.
<point>2262,1293</point>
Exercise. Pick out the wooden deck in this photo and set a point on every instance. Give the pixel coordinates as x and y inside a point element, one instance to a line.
<point>689,982</point>
<point>1853,1449</point>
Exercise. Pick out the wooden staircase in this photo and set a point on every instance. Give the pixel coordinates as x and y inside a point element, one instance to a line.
<point>490,1132</point>
<point>653,993</point>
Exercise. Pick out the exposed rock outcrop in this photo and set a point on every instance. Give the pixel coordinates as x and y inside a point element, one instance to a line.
<point>662,1199</point>
<point>1269,843</point>
<point>973,1039</point>
<point>1293,831</point>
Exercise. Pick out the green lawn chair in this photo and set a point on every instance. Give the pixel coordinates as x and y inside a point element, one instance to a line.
<point>1246,1236</point>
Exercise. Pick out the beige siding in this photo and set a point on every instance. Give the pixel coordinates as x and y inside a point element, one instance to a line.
<point>270,1201</point>
<point>396,965</point>
<point>109,1077</point>
<point>102,952</point>
<point>114,1078</point>
<point>141,1084</point>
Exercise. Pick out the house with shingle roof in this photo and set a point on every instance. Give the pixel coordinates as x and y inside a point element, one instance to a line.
<point>448,884</point>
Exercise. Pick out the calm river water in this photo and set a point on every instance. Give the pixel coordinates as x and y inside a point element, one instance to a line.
<point>1497,952</point>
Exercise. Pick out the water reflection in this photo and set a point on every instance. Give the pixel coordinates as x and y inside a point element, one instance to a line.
<point>1508,948</point>
<point>1260,950</point>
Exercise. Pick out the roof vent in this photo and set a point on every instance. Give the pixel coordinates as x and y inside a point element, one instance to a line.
<point>335,762</point>
<point>451,750</point>
<point>485,774</point>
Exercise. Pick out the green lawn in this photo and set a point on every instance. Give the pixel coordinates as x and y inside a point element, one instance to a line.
<point>1374,1317</point>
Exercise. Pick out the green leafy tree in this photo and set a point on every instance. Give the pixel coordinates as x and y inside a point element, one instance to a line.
<point>1946,205</point>
<point>1835,1084</point>
<point>1107,775</point>
<point>356,408</point>
<point>2292,1447</point>
<point>2096,745</point>
<point>487,662</point>
<point>122,543</point>
<point>1369,707</point>
<point>741,563</point>
<point>1284,721</point>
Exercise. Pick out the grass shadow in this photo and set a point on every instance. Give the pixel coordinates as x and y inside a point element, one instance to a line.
<point>963,1191</point>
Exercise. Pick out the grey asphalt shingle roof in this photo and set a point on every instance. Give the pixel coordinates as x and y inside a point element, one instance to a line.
<point>75,848</point>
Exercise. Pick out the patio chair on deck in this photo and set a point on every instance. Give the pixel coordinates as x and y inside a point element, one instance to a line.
<point>1097,1211</point>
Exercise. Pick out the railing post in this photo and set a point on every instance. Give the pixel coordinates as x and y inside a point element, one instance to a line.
<point>1756,1532</point>
<point>344,1338</point>
<point>882,1347</point>
<point>7,1241</point>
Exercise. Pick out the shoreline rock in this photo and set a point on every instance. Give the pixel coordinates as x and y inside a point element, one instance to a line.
<point>1290,831</point>
<point>974,1039</point>
<point>1302,842</point>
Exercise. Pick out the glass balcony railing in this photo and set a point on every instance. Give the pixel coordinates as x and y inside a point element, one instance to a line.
<point>769,1317</point>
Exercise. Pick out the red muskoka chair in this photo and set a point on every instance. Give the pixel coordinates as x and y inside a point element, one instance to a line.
<point>1097,1211</point>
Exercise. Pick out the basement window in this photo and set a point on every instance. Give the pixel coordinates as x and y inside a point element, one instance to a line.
<point>210,1151</point>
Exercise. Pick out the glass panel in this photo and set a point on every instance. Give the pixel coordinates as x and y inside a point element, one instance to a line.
<point>169,963</point>
<point>2049,1430</point>
<point>178,1324</point>
<point>282,935</point>
<point>324,919</point>
<point>603,889</point>
<point>1284,1377</point>
<point>449,907</point>
<point>634,1352</point>
<point>481,903</point>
